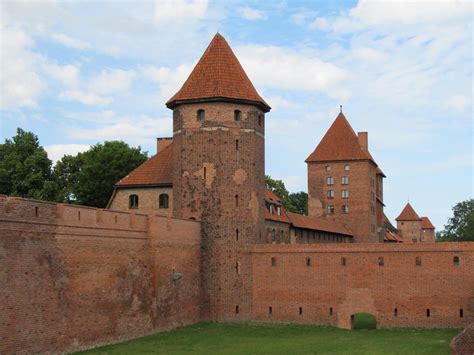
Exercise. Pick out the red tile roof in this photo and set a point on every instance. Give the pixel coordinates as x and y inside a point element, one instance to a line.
<point>300,221</point>
<point>158,170</point>
<point>408,214</point>
<point>379,171</point>
<point>426,223</point>
<point>390,236</point>
<point>339,143</point>
<point>270,197</point>
<point>218,75</point>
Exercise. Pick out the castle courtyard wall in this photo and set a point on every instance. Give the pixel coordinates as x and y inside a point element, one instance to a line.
<point>73,277</point>
<point>341,280</point>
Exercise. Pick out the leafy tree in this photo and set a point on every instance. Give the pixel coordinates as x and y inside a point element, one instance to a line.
<point>293,202</point>
<point>460,227</point>
<point>25,169</point>
<point>66,176</point>
<point>99,169</point>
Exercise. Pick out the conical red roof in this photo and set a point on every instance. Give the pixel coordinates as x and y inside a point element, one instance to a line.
<point>408,214</point>
<point>218,75</point>
<point>339,143</point>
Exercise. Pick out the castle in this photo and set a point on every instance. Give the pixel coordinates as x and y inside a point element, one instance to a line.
<point>193,235</point>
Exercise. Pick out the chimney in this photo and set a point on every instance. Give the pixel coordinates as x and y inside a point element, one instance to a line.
<point>162,143</point>
<point>363,140</point>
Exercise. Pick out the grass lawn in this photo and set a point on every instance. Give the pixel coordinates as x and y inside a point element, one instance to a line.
<point>258,338</point>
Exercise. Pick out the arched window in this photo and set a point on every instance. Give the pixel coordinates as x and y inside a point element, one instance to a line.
<point>133,201</point>
<point>200,115</point>
<point>164,201</point>
<point>237,115</point>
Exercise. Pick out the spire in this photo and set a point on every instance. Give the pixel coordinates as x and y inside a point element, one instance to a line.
<point>218,76</point>
<point>408,214</point>
<point>339,143</point>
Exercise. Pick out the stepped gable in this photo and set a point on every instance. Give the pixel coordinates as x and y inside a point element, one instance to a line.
<point>339,143</point>
<point>312,223</point>
<point>218,76</point>
<point>408,214</point>
<point>426,223</point>
<point>156,171</point>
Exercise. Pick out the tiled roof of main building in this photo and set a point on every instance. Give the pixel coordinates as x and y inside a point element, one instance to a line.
<point>218,75</point>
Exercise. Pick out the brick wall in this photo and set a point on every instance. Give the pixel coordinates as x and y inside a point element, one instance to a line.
<point>362,215</point>
<point>331,289</point>
<point>74,277</point>
<point>410,231</point>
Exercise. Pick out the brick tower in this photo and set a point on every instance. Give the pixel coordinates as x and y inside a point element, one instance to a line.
<point>345,184</point>
<point>218,176</point>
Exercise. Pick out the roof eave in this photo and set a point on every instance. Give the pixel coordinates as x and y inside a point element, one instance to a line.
<point>261,104</point>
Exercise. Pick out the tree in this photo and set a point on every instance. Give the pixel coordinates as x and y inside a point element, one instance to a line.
<point>99,169</point>
<point>65,174</point>
<point>460,227</point>
<point>293,202</point>
<point>25,169</point>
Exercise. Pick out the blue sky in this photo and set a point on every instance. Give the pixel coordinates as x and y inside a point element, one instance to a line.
<point>78,73</point>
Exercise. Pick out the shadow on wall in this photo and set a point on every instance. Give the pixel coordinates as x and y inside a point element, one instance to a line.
<point>364,321</point>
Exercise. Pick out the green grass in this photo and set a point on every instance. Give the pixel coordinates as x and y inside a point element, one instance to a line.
<point>364,321</point>
<point>258,338</point>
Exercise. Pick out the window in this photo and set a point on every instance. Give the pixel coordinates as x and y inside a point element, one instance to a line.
<point>205,173</point>
<point>236,200</point>
<point>330,180</point>
<point>330,311</point>
<point>237,267</point>
<point>236,144</point>
<point>418,261</point>
<point>133,201</point>
<point>308,261</point>
<point>381,261</point>
<point>274,261</point>
<point>461,313</point>
<point>345,209</point>
<point>236,234</point>
<point>327,167</point>
<point>237,115</point>
<point>301,310</point>
<point>395,312</point>
<point>428,312</point>
<point>236,309</point>
<point>347,167</point>
<point>270,208</point>
<point>330,193</point>
<point>345,193</point>
<point>260,119</point>
<point>164,201</point>
<point>456,261</point>
<point>273,236</point>
<point>278,210</point>
<point>343,261</point>
<point>270,310</point>
<point>200,115</point>
<point>36,211</point>
<point>330,209</point>
<point>345,180</point>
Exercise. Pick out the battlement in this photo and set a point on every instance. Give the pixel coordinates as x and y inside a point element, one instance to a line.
<point>40,212</point>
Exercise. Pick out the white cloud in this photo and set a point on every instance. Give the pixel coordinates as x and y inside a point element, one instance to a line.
<point>69,41</point>
<point>250,13</point>
<point>135,130</point>
<point>20,84</point>
<point>287,69</point>
<point>112,81</point>
<point>179,11</point>
<point>57,151</point>
<point>368,54</point>
<point>458,102</point>
<point>169,80</point>
<point>84,97</point>
<point>67,74</point>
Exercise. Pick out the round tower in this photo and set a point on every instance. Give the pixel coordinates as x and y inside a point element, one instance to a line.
<point>218,176</point>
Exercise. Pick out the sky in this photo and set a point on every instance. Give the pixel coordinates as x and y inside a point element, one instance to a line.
<point>77,73</point>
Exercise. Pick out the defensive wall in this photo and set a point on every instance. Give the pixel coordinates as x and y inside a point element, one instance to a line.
<point>412,285</point>
<point>73,277</point>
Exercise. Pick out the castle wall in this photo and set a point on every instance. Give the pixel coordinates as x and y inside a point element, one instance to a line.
<point>331,289</point>
<point>277,232</point>
<point>410,231</point>
<point>148,200</point>
<point>73,277</point>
